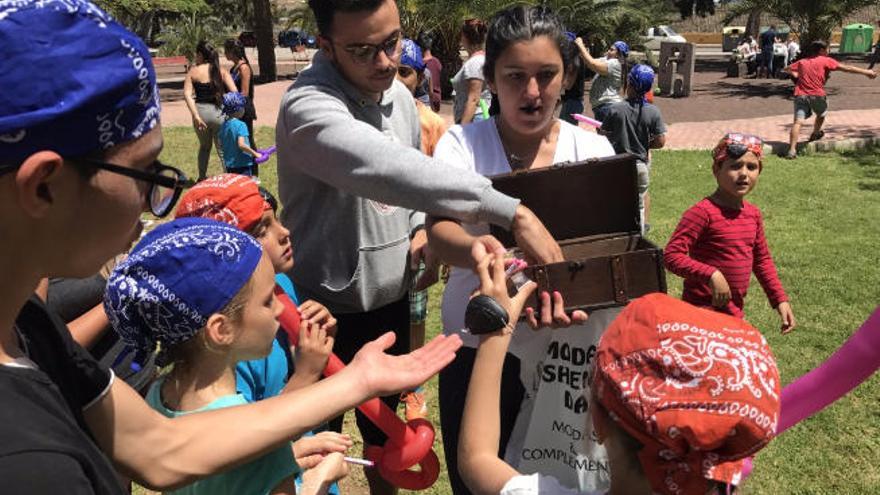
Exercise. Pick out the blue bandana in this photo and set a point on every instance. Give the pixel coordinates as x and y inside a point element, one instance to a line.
<point>622,48</point>
<point>74,81</point>
<point>233,101</point>
<point>412,55</point>
<point>175,278</point>
<point>641,78</point>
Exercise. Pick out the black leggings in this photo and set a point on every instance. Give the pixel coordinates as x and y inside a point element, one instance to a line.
<point>353,331</point>
<point>454,380</point>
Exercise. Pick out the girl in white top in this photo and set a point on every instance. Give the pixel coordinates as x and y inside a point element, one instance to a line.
<point>471,93</point>
<point>526,53</point>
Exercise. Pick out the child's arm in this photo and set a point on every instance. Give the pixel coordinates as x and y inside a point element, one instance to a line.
<point>657,141</point>
<point>857,70</point>
<point>188,91</point>
<point>677,257</point>
<point>478,462</point>
<point>596,65</point>
<point>243,146</point>
<point>687,234</point>
<point>167,453</point>
<point>765,272</point>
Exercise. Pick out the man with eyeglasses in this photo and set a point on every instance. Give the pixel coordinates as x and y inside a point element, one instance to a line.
<point>78,166</point>
<point>353,184</point>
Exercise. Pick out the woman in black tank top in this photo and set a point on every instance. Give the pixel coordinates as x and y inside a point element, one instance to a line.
<point>203,96</point>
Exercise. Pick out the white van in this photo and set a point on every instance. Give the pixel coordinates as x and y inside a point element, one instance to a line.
<point>659,34</point>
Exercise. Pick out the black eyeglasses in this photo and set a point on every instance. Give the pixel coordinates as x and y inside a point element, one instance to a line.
<point>166,182</point>
<point>365,53</point>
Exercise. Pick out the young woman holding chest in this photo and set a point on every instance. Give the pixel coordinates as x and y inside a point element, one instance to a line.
<point>525,68</point>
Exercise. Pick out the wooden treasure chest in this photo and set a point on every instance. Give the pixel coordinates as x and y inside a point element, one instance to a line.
<point>592,209</point>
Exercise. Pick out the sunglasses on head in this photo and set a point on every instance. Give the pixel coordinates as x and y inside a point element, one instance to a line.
<point>742,144</point>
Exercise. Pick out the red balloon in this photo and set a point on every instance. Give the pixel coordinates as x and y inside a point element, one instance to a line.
<point>408,444</point>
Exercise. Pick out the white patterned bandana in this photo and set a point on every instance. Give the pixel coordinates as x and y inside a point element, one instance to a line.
<point>175,278</point>
<point>74,80</point>
<point>698,389</point>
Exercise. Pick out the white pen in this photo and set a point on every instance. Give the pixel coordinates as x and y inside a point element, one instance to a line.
<point>359,462</point>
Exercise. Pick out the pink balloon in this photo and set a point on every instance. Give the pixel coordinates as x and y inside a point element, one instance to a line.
<point>586,120</point>
<point>856,360</point>
<point>852,364</point>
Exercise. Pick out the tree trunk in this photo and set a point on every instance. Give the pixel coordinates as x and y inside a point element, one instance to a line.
<point>753,25</point>
<point>265,40</point>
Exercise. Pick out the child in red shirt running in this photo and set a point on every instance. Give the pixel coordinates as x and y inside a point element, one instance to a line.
<point>810,74</point>
<point>720,241</point>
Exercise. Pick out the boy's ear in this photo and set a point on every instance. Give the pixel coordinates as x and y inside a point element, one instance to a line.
<point>219,331</point>
<point>37,181</point>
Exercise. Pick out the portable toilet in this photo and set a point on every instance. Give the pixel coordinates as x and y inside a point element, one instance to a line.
<point>856,38</point>
<point>731,36</point>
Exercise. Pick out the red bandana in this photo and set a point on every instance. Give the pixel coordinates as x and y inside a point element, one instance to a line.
<point>698,389</point>
<point>230,198</point>
<point>735,145</point>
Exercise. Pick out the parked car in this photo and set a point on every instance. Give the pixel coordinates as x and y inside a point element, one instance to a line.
<point>659,34</point>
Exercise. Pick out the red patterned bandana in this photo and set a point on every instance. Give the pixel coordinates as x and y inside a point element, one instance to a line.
<point>734,145</point>
<point>230,198</point>
<point>698,389</point>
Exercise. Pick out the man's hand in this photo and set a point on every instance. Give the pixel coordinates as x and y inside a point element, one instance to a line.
<point>787,315</point>
<point>383,374</point>
<point>720,289</point>
<point>309,451</point>
<point>534,239</point>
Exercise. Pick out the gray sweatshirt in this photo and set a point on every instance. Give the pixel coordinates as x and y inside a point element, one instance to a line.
<point>343,159</point>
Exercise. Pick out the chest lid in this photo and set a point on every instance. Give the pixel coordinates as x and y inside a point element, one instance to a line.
<point>593,197</point>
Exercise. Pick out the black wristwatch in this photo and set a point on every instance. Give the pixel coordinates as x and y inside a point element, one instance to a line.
<point>485,315</point>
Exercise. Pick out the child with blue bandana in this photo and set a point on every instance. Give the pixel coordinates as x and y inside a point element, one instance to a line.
<point>238,201</point>
<point>235,141</point>
<point>636,126</point>
<point>157,295</point>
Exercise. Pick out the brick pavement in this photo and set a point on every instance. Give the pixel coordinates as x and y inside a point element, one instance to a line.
<point>841,124</point>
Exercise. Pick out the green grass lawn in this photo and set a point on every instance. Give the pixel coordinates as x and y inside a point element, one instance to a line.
<point>822,216</point>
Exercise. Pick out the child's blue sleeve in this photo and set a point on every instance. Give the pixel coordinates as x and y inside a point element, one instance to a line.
<point>262,378</point>
<point>285,283</point>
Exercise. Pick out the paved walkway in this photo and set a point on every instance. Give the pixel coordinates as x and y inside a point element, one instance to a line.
<point>841,124</point>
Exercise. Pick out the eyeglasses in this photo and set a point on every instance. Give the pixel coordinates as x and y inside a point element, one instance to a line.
<point>166,182</point>
<point>365,53</point>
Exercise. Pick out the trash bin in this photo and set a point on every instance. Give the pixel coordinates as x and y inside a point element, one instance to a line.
<point>730,37</point>
<point>856,38</point>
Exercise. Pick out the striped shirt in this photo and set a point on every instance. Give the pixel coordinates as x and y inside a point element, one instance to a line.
<point>710,237</point>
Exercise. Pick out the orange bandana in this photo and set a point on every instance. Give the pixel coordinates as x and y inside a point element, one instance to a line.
<point>698,389</point>
<point>230,198</point>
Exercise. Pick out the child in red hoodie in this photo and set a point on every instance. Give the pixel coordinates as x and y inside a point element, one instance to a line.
<point>720,241</point>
